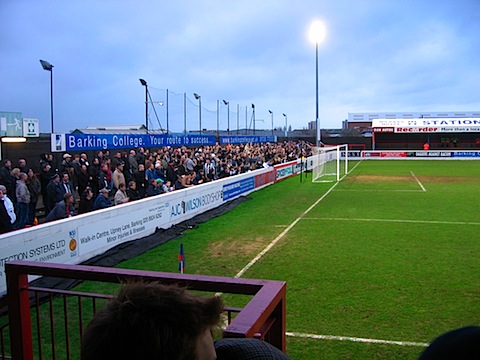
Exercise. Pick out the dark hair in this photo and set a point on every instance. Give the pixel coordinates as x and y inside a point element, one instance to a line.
<point>150,321</point>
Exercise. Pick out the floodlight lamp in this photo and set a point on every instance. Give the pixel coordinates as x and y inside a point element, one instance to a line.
<point>253,106</point>
<point>143,82</point>
<point>284,115</point>
<point>225,102</point>
<point>317,32</point>
<point>46,65</point>
<point>196,96</point>
<point>270,111</point>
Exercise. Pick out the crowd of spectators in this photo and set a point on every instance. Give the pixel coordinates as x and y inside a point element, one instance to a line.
<point>107,180</point>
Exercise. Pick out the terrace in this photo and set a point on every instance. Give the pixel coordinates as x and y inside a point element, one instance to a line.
<point>53,329</point>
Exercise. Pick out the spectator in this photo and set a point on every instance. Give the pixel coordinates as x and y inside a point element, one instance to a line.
<point>5,224</point>
<point>8,205</point>
<point>23,201</point>
<point>86,201</point>
<point>103,182</point>
<point>118,176</point>
<point>132,160</point>
<point>34,187</point>
<point>22,165</point>
<point>102,201</point>
<point>141,180</point>
<point>15,173</point>
<point>63,209</point>
<point>167,187</point>
<point>150,320</point>
<point>66,165</point>
<point>66,185</point>
<point>121,195</point>
<point>93,175</point>
<point>45,177</point>
<point>153,188</point>
<point>83,178</point>
<point>132,192</point>
<point>6,177</point>
<point>54,193</point>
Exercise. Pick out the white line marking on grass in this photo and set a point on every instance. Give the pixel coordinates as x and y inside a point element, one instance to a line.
<point>354,339</point>
<point>284,232</point>
<point>399,221</point>
<point>418,181</point>
<point>378,190</point>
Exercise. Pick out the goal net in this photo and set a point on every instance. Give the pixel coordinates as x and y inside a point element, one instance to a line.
<point>329,163</point>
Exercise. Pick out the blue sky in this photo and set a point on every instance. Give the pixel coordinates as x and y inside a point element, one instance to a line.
<point>378,55</point>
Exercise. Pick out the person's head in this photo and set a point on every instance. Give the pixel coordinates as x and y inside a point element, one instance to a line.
<point>68,198</point>
<point>7,163</point>
<point>153,321</point>
<point>56,178</point>
<point>15,172</point>
<point>65,177</point>
<point>132,152</point>
<point>83,156</point>
<point>122,186</point>
<point>88,193</point>
<point>22,163</point>
<point>120,166</point>
<point>3,189</point>
<point>46,167</point>
<point>104,192</point>
<point>141,167</point>
<point>22,176</point>
<point>30,174</point>
<point>84,168</point>
<point>132,185</point>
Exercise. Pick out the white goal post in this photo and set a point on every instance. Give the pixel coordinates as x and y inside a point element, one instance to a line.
<point>329,163</point>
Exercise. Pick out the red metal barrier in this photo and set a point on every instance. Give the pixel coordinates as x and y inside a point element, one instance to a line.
<point>264,316</point>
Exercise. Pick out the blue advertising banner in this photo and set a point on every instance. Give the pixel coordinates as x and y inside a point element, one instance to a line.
<point>82,142</point>
<point>239,187</point>
<point>224,140</point>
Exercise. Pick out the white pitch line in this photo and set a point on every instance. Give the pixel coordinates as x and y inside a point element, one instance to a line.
<point>284,232</point>
<point>418,181</point>
<point>399,221</point>
<point>378,190</point>
<point>355,339</point>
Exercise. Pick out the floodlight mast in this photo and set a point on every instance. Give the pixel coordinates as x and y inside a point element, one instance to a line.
<point>49,67</point>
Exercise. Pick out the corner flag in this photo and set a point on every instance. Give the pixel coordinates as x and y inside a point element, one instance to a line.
<point>181,260</point>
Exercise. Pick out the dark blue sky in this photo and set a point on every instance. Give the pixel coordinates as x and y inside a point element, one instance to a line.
<point>378,55</point>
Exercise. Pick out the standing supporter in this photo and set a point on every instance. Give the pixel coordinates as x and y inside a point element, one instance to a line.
<point>8,205</point>
<point>22,165</point>
<point>141,156</point>
<point>103,182</point>
<point>117,158</point>
<point>83,179</point>
<point>158,172</point>
<point>86,201</point>
<point>132,160</point>
<point>15,173</point>
<point>34,187</point>
<point>93,175</point>
<point>102,201</point>
<point>23,201</point>
<point>150,172</point>
<point>118,176</point>
<point>141,181</point>
<point>6,177</point>
<point>66,184</point>
<point>171,174</point>
<point>126,167</point>
<point>132,192</point>
<point>66,165</point>
<point>54,193</point>
<point>84,160</point>
<point>209,169</point>
<point>45,177</point>
<point>121,195</point>
<point>5,221</point>
<point>63,209</point>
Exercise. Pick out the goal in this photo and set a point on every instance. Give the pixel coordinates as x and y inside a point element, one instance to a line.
<point>329,163</point>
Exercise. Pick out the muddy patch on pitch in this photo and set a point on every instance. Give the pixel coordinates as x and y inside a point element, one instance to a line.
<point>235,247</point>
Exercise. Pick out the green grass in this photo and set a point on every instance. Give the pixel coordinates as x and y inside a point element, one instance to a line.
<point>377,258</point>
<point>402,281</point>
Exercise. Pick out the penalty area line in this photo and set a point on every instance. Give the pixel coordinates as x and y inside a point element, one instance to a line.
<point>418,181</point>
<point>398,221</point>
<point>355,339</point>
<point>284,232</point>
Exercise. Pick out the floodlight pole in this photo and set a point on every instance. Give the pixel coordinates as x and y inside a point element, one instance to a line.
<point>228,115</point>
<point>317,123</point>
<point>199,98</point>
<point>49,67</point>
<point>144,83</point>
<point>271,113</point>
<point>286,129</point>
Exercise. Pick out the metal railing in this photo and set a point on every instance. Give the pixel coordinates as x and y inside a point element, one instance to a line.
<point>35,328</point>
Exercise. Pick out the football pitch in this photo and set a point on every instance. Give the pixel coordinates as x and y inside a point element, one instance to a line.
<point>376,265</point>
